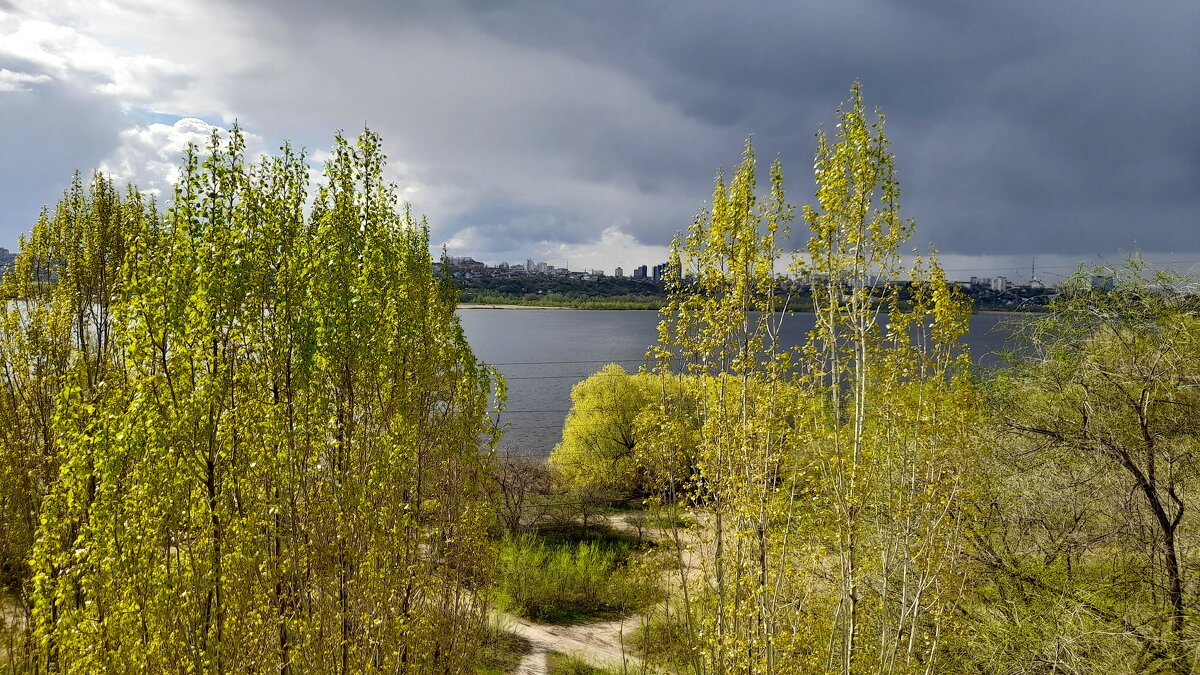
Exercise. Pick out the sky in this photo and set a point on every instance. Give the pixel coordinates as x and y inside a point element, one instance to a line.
<point>587,133</point>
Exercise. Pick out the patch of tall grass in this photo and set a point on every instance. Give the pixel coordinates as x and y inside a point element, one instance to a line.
<point>568,581</point>
<point>565,664</point>
<point>500,650</point>
<point>663,640</point>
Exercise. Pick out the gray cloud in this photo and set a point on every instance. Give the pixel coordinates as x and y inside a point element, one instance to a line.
<point>1020,128</point>
<point>56,130</point>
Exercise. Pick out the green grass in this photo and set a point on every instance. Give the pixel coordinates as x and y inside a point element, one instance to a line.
<point>663,641</point>
<point>570,575</point>
<point>501,652</point>
<point>563,664</point>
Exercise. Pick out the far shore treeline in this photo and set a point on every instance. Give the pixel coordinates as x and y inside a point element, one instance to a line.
<point>242,431</point>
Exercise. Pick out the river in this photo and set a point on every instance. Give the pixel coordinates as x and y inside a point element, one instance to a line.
<point>542,353</point>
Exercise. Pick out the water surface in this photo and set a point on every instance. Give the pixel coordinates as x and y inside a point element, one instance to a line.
<point>542,353</point>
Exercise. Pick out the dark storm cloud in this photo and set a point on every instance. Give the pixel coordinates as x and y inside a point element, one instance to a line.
<point>1019,128</point>
<point>55,130</point>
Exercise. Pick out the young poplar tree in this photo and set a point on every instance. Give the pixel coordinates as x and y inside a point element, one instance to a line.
<point>890,373</point>
<point>720,335</point>
<point>56,335</point>
<point>825,479</point>
<point>289,476</point>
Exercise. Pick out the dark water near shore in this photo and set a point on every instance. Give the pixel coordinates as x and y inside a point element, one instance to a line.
<point>543,353</point>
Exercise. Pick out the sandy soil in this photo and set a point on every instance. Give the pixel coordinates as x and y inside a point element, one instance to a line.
<point>534,663</point>
<point>600,644</point>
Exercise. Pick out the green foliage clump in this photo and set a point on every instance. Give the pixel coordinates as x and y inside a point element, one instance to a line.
<point>568,580</point>
<point>1086,550</point>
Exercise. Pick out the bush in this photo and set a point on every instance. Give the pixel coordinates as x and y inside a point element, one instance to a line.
<point>567,581</point>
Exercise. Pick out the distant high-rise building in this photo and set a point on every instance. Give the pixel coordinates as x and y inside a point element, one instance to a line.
<point>999,284</point>
<point>660,270</point>
<point>618,273</point>
<point>639,272</point>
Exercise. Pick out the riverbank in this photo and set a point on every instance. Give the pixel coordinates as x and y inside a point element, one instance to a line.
<point>563,303</point>
<point>471,305</point>
<point>600,304</point>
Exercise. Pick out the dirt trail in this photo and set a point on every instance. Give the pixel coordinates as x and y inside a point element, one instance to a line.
<point>534,663</point>
<point>604,644</point>
<point>600,644</point>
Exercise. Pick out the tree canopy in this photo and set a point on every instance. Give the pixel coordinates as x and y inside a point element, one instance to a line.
<point>249,432</point>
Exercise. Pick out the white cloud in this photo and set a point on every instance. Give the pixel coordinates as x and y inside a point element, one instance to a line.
<point>612,248</point>
<point>158,56</point>
<point>17,81</point>
<point>149,156</point>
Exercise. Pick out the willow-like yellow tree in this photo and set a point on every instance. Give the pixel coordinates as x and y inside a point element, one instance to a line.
<point>596,458</point>
<point>287,476</point>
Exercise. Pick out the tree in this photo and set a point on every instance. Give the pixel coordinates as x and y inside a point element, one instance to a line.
<point>892,423</point>
<point>827,479</point>
<point>523,484</point>
<point>718,340</point>
<point>1093,473</point>
<point>56,334</point>
<point>596,456</point>
<point>286,471</point>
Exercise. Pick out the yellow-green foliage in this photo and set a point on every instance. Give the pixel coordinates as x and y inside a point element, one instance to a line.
<point>261,441</point>
<point>601,433</point>
<point>1087,549</point>
<point>828,479</point>
<point>55,336</point>
<point>566,582</point>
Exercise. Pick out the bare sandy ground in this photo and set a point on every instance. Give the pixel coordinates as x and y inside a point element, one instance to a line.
<point>601,644</point>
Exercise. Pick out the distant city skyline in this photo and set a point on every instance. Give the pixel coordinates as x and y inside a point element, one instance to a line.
<point>1050,270</point>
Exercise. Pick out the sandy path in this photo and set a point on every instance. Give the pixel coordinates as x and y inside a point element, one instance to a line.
<point>534,663</point>
<point>600,644</point>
